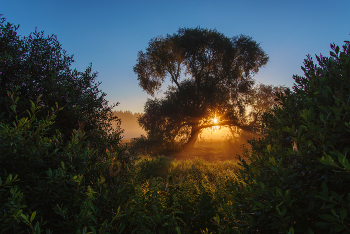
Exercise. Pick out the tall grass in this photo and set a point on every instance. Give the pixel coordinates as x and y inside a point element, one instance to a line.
<point>197,188</point>
<point>182,170</point>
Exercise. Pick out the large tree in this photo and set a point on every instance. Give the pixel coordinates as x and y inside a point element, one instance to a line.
<point>211,76</point>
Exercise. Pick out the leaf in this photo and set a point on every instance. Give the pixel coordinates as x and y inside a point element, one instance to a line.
<point>24,217</point>
<point>280,194</point>
<point>217,218</point>
<point>9,178</point>
<point>262,185</point>
<point>338,228</point>
<point>329,205</point>
<point>274,169</point>
<point>345,163</point>
<point>291,230</point>
<point>334,213</point>
<point>92,229</point>
<point>329,218</point>
<point>343,214</point>
<point>337,49</point>
<point>323,224</point>
<point>268,148</point>
<point>327,160</point>
<point>33,216</point>
<point>122,228</point>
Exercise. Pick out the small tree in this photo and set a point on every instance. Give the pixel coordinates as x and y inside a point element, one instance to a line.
<point>211,76</point>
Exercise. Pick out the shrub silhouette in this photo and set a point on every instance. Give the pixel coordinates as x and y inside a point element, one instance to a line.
<point>298,174</point>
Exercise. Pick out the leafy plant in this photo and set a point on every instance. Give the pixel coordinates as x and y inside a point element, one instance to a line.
<point>297,175</point>
<point>50,184</point>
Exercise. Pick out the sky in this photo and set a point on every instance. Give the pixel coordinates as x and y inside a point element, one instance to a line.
<point>109,33</point>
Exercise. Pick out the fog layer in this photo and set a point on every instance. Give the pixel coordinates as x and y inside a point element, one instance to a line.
<point>130,125</point>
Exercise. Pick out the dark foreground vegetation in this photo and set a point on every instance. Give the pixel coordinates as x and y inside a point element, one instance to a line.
<point>63,169</point>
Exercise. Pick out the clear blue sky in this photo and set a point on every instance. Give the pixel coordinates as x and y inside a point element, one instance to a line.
<point>109,34</point>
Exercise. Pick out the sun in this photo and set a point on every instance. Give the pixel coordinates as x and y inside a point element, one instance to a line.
<point>214,127</point>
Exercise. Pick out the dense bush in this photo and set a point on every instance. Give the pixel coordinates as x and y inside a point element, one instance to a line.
<point>50,184</point>
<point>297,176</point>
<point>39,67</point>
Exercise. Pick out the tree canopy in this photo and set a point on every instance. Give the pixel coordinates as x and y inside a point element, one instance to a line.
<point>211,75</point>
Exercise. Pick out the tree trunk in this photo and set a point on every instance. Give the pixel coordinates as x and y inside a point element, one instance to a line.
<point>193,138</point>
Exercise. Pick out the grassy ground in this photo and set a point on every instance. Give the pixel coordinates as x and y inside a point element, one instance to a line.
<point>211,151</point>
<point>195,189</point>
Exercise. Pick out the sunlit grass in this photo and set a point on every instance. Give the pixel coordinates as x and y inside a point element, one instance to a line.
<point>195,188</point>
<point>197,169</point>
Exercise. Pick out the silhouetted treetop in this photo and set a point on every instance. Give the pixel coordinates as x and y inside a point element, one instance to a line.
<point>200,55</point>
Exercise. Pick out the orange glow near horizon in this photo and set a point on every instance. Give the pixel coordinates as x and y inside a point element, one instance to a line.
<point>215,133</point>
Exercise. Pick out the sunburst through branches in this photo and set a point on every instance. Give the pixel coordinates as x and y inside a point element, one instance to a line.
<point>215,121</point>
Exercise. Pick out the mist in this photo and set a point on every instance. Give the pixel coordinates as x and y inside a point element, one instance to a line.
<point>219,144</point>
<point>130,125</point>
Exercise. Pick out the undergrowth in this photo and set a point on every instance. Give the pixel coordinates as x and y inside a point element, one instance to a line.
<point>198,187</point>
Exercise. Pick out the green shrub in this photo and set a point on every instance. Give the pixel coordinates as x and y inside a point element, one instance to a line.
<point>298,173</point>
<point>46,184</point>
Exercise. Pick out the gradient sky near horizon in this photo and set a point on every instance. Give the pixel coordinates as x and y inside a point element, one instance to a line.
<point>109,33</point>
